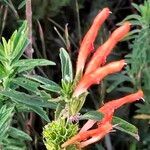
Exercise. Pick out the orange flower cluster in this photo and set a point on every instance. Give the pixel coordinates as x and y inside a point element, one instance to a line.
<point>94,72</point>
<point>96,76</point>
<point>86,136</point>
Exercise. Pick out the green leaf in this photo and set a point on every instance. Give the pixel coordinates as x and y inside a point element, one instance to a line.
<point>2,72</point>
<point>93,115</point>
<point>136,17</point>
<point>115,77</point>
<point>143,108</point>
<point>30,100</point>
<point>126,127</point>
<point>22,4</point>
<point>5,46</point>
<point>136,6</point>
<point>20,42</point>
<point>66,65</point>
<point>27,84</point>
<point>76,103</point>
<point>115,84</point>
<point>9,146</point>
<point>2,52</point>
<point>27,64</point>
<point>131,35</point>
<point>5,120</point>
<point>40,112</point>
<point>18,134</point>
<point>60,107</point>
<point>48,84</point>
<point>5,114</point>
<point>51,88</point>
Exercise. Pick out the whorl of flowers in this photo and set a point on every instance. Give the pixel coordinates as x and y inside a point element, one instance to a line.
<point>93,73</point>
<point>61,134</point>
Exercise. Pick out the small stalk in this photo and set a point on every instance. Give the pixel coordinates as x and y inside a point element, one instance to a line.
<point>29,50</point>
<point>78,19</point>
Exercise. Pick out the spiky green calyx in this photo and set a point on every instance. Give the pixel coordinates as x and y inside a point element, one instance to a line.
<point>57,132</point>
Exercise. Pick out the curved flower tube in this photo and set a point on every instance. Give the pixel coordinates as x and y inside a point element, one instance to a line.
<point>115,104</point>
<point>96,76</point>
<point>89,38</point>
<point>101,132</point>
<point>100,55</point>
<point>104,126</point>
<point>95,135</point>
<point>112,106</point>
<point>94,73</point>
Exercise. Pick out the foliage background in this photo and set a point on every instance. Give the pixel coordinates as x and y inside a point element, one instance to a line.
<point>78,15</point>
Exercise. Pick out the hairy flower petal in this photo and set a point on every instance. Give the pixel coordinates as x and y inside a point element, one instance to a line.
<point>113,105</point>
<point>96,76</point>
<point>104,126</point>
<point>94,134</point>
<point>100,55</point>
<point>89,124</point>
<point>101,132</point>
<point>88,40</point>
<point>79,137</point>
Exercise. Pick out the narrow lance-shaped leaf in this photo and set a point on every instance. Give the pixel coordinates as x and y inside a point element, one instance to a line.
<point>136,17</point>
<point>27,84</point>
<point>16,133</point>
<point>136,6</point>
<point>20,97</point>
<point>19,53</point>
<point>5,120</point>
<point>77,103</point>
<point>40,112</point>
<point>126,127</point>
<point>60,107</point>
<point>47,84</point>
<point>5,114</point>
<point>121,79</point>
<point>2,72</point>
<point>93,115</point>
<point>27,64</point>
<point>5,46</point>
<point>22,4</point>
<point>20,42</point>
<point>66,65</point>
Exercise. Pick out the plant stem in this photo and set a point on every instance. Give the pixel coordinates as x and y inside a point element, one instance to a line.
<point>29,50</point>
<point>108,142</point>
<point>78,20</point>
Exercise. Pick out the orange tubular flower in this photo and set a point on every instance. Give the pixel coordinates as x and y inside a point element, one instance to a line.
<point>101,132</point>
<point>104,126</point>
<point>113,105</point>
<point>95,135</point>
<point>79,137</point>
<point>103,51</point>
<point>87,43</point>
<point>96,76</point>
<point>94,73</point>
